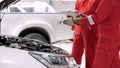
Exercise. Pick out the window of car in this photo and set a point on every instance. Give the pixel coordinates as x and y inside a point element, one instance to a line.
<point>14,9</point>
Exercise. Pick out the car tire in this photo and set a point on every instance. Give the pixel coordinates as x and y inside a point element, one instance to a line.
<point>36,36</point>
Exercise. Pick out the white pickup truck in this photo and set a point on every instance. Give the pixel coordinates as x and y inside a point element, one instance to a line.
<point>35,20</point>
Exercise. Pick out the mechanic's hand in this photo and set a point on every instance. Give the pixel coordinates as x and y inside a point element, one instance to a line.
<point>69,21</point>
<point>73,20</point>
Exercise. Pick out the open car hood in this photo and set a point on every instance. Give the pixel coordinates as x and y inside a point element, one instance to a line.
<point>6,3</point>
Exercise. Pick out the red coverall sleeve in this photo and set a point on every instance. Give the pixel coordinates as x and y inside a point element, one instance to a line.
<point>77,5</point>
<point>102,12</point>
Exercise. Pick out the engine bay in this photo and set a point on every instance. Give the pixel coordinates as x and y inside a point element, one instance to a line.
<point>29,44</point>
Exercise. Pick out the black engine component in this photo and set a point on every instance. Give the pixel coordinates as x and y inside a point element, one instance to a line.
<point>29,44</point>
<point>6,3</point>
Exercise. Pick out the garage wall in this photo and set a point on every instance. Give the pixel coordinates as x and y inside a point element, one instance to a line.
<point>60,6</point>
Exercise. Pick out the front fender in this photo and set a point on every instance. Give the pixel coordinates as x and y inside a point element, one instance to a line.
<point>42,24</point>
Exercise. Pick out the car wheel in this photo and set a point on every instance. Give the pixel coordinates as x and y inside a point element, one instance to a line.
<point>37,37</point>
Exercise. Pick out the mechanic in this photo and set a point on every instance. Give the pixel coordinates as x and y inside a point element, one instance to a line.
<point>85,37</point>
<point>106,16</point>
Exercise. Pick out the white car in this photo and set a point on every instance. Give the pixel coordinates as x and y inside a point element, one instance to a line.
<point>27,53</point>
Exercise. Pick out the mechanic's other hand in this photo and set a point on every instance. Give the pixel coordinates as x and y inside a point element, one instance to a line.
<point>77,21</point>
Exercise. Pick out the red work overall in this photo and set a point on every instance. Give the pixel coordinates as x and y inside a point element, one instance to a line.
<point>107,17</point>
<point>85,37</point>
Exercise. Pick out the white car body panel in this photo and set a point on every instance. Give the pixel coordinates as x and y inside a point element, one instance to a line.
<point>15,58</point>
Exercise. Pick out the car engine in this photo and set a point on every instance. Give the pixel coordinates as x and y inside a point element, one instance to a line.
<point>29,45</point>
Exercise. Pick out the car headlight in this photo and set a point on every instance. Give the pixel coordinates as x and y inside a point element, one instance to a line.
<point>51,60</point>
